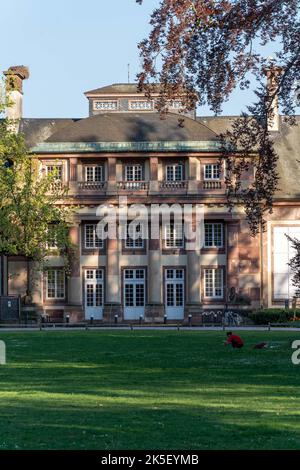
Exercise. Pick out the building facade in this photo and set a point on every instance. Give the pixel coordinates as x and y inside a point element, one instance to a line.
<point>124,149</point>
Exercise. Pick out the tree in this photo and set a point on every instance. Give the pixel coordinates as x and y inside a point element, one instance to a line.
<point>295,264</point>
<point>201,50</point>
<point>33,219</point>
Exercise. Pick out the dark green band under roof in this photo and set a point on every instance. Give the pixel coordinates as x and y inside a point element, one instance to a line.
<point>166,146</point>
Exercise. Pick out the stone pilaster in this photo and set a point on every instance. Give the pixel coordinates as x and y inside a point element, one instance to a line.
<point>73,169</point>
<point>75,309</point>
<point>111,175</point>
<point>73,176</point>
<point>232,257</point>
<point>112,305</point>
<point>193,184</point>
<point>154,185</point>
<point>155,306</point>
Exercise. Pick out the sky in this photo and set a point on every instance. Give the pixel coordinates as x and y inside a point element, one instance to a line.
<point>72,46</point>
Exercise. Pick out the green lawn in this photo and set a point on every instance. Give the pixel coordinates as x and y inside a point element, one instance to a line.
<point>148,390</point>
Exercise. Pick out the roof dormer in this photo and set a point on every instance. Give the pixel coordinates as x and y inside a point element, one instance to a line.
<point>125,98</point>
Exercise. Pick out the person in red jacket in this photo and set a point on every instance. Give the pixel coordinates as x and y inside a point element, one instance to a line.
<point>235,340</point>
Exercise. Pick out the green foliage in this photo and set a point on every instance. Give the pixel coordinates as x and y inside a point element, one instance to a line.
<point>273,315</point>
<point>30,203</point>
<point>4,98</point>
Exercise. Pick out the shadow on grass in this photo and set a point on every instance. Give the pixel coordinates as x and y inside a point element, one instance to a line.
<point>147,390</point>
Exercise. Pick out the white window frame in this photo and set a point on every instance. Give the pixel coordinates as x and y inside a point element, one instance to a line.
<point>55,297</point>
<point>55,165</point>
<point>105,105</point>
<point>93,168</point>
<point>213,287</point>
<point>134,277</point>
<point>282,253</point>
<point>140,105</point>
<point>215,171</point>
<point>131,242</point>
<point>97,243</point>
<point>171,172</point>
<point>94,277</point>
<point>174,276</point>
<point>137,172</point>
<point>171,242</point>
<point>176,104</point>
<point>214,234</point>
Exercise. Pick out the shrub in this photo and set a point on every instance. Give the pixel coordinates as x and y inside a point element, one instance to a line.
<point>273,315</point>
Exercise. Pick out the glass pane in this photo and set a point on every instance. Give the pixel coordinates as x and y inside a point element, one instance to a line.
<point>140,274</point>
<point>129,173</point>
<point>208,172</point>
<point>99,274</point>
<point>134,236</point>
<point>178,172</point>
<point>89,173</point>
<point>51,284</point>
<point>139,295</point>
<point>170,273</point>
<point>89,236</point>
<point>170,173</point>
<point>208,235</point>
<point>90,295</point>
<point>99,295</point>
<point>138,173</point>
<point>218,235</point>
<point>209,292</point>
<point>60,280</point>
<point>129,295</point>
<point>128,273</point>
<point>98,173</point>
<point>170,295</point>
<point>218,282</point>
<point>179,295</point>
<point>216,171</point>
<point>174,236</point>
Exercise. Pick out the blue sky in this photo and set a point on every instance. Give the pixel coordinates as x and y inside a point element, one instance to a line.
<point>72,46</point>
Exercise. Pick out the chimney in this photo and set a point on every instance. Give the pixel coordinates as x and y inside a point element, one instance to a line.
<point>273,72</point>
<point>14,88</point>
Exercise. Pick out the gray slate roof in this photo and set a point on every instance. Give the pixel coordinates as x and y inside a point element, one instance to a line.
<point>115,88</point>
<point>133,127</point>
<point>287,146</point>
<point>39,130</point>
<point>149,127</point>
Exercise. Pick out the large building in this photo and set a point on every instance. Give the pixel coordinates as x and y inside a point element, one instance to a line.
<point>124,148</point>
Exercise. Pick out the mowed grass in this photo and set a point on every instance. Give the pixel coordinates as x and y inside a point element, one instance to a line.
<point>148,390</point>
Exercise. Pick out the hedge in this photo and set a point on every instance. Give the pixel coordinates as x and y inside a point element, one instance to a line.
<point>273,315</point>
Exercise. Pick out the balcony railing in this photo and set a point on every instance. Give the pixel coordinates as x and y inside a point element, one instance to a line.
<point>59,186</point>
<point>92,185</point>
<point>212,184</point>
<point>173,185</point>
<point>133,185</point>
